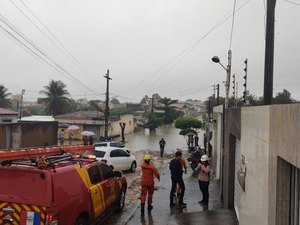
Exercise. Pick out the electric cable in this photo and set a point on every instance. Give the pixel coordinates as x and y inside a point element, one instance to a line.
<point>39,51</point>
<point>189,49</point>
<point>60,45</point>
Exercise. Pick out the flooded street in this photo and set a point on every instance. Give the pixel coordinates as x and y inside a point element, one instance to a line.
<point>141,139</point>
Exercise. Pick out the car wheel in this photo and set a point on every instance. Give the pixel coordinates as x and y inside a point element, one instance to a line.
<point>121,201</point>
<point>81,221</point>
<point>133,167</point>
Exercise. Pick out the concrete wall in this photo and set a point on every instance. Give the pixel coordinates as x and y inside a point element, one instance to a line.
<point>270,143</point>
<point>284,144</point>
<point>255,148</point>
<point>115,129</point>
<point>217,140</point>
<point>232,131</point>
<point>12,118</point>
<point>27,134</point>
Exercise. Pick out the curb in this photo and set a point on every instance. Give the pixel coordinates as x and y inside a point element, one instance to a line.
<point>129,216</point>
<point>135,205</point>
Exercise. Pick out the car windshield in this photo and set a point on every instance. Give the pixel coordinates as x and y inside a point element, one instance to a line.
<point>98,154</point>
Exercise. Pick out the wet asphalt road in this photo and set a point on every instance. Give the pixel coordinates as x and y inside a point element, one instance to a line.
<point>194,213</point>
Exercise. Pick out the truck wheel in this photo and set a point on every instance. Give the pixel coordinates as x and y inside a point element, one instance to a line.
<point>121,201</point>
<point>81,221</point>
<point>133,167</point>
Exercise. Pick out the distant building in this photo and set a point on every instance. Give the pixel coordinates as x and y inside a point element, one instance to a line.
<point>38,118</point>
<point>8,116</point>
<point>95,121</point>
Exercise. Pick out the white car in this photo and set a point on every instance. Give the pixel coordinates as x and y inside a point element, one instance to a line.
<point>109,144</point>
<point>119,158</point>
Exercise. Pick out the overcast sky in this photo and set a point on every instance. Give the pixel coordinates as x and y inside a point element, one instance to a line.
<point>148,46</point>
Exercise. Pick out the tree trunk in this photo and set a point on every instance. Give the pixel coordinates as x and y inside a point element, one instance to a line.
<point>122,125</point>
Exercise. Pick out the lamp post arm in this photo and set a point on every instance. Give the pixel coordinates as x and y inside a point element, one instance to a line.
<point>223,66</point>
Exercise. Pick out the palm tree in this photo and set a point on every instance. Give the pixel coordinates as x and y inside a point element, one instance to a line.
<point>56,101</point>
<point>4,101</point>
<point>170,112</point>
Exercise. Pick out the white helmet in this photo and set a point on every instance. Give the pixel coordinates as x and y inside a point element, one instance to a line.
<point>204,158</point>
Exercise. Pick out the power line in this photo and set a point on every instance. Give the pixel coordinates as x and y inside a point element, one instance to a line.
<point>233,12</point>
<point>39,52</point>
<point>60,47</point>
<point>295,3</point>
<point>189,49</point>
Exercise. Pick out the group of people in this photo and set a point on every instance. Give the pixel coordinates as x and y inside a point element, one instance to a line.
<point>62,137</point>
<point>177,167</point>
<point>86,140</point>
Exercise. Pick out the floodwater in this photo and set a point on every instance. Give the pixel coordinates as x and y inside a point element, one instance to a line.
<point>142,139</point>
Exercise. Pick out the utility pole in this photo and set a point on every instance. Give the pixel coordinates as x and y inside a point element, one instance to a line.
<point>228,70</point>
<point>218,93</point>
<point>152,103</point>
<point>21,106</point>
<point>106,114</point>
<point>269,53</point>
<point>236,94</point>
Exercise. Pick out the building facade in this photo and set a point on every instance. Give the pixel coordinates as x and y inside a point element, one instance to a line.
<point>261,164</point>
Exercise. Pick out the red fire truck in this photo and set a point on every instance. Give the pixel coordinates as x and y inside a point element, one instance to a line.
<point>55,186</point>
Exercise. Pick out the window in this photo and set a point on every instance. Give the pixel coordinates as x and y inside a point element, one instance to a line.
<point>6,120</point>
<point>114,153</point>
<point>118,153</point>
<point>107,171</point>
<point>94,174</point>
<point>122,153</point>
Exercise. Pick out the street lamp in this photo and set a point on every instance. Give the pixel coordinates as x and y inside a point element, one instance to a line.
<point>23,92</point>
<point>216,59</point>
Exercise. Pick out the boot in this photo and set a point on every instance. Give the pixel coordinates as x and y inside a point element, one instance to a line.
<point>142,208</point>
<point>150,207</point>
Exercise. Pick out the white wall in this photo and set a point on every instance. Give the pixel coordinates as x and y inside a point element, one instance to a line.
<point>255,148</point>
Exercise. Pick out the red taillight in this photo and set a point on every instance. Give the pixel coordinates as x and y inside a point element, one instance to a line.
<point>51,218</point>
<point>104,160</point>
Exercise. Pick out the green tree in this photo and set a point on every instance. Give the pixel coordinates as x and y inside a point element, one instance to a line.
<point>56,101</point>
<point>154,121</point>
<point>170,113</point>
<point>188,124</point>
<point>145,100</point>
<point>36,110</point>
<point>283,97</point>
<point>4,101</point>
<point>119,111</point>
<point>115,101</point>
<point>95,105</point>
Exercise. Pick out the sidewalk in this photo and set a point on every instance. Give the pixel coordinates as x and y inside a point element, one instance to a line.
<point>193,214</point>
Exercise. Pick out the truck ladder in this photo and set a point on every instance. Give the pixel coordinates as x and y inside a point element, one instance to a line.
<point>13,154</point>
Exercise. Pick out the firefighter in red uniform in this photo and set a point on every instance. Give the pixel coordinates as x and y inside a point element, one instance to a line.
<point>147,182</point>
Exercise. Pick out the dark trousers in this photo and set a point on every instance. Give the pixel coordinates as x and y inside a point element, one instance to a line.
<point>204,189</point>
<point>173,189</point>
<point>162,148</point>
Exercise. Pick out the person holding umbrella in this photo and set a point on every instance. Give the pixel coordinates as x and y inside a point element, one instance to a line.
<point>71,137</point>
<point>85,140</point>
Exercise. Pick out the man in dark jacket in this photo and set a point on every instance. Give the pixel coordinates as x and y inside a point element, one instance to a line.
<point>162,144</point>
<point>176,176</point>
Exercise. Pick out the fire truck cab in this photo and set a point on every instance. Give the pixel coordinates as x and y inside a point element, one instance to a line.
<point>59,189</point>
